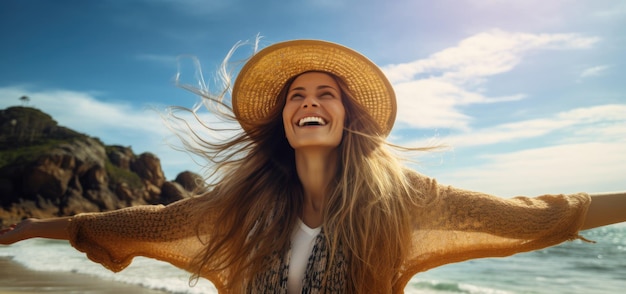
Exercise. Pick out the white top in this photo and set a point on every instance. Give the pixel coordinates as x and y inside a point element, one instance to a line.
<point>302,241</point>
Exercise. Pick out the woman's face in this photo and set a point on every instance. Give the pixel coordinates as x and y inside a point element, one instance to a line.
<point>314,114</point>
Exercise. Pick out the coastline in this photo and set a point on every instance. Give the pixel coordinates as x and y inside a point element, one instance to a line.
<point>15,278</point>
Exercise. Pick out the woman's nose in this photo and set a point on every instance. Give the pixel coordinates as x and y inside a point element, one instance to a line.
<point>310,101</point>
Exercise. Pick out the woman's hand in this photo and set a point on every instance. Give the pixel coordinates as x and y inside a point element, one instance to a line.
<point>53,228</point>
<point>17,232</point>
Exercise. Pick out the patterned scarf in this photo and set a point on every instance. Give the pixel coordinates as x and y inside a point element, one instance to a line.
<point>274,280</point>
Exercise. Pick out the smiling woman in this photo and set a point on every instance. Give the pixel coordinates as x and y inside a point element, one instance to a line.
<point>310,198</point>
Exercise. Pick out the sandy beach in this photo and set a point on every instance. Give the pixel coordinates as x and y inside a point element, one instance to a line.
<point>15,278</point>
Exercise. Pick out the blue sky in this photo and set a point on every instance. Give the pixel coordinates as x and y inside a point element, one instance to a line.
<point>528,94</point>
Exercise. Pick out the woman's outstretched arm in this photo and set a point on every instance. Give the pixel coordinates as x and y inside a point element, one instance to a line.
<point>605,209</point>
<point>52,228</point>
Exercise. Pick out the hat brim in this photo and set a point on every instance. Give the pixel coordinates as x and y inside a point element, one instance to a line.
<point>261,79</point>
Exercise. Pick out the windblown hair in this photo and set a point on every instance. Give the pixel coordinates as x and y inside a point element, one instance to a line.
<point>257,197</point>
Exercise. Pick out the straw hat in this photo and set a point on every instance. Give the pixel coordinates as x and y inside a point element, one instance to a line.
<point>260,80</point>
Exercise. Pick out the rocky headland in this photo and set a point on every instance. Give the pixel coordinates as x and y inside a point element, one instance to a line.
<point>47,170</point>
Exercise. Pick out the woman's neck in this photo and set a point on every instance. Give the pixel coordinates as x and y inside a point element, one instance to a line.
<point>316,170</point>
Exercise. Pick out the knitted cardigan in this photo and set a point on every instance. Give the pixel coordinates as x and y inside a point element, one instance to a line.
<point>454,225</point>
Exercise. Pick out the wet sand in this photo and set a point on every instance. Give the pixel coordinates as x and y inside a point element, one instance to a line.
<point>15,278</point>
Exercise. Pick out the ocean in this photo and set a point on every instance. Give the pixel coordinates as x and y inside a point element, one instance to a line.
<point>573,267</point>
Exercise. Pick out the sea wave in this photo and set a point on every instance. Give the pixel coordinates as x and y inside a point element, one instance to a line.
<point>59,256</point>
<point>440,287</point>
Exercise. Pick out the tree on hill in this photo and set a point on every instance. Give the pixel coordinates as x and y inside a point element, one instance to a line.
<point>24,100</point>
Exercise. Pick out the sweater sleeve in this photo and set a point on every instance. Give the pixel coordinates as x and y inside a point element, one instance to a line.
<point>455,225</point>
<point>167,233</point>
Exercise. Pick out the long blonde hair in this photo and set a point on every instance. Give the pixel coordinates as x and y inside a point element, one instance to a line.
<point>257,198</point>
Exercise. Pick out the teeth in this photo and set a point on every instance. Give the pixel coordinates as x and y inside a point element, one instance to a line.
<point>312,120</point>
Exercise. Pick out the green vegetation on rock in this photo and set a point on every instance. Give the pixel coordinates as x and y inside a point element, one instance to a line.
<point>119,175</point>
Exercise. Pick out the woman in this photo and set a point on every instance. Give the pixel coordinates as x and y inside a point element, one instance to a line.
<point>309,199</point>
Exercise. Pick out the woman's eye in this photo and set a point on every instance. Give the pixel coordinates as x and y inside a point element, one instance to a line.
<point>296,96</point>
<point>327,95</point>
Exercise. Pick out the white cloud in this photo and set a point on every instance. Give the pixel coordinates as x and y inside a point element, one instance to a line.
<point>484,54</point>
<point>434,102</point>
<point>580,150</point>
<point>85,112</point>
<point>594,71</point>
<point>597,123</point>
<point>569,168</point>
<point>453,75</point>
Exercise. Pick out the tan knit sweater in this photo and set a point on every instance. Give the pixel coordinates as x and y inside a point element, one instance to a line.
<point>455,225</point>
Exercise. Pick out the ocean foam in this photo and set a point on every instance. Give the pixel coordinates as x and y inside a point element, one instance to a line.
<point>59,256</point>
